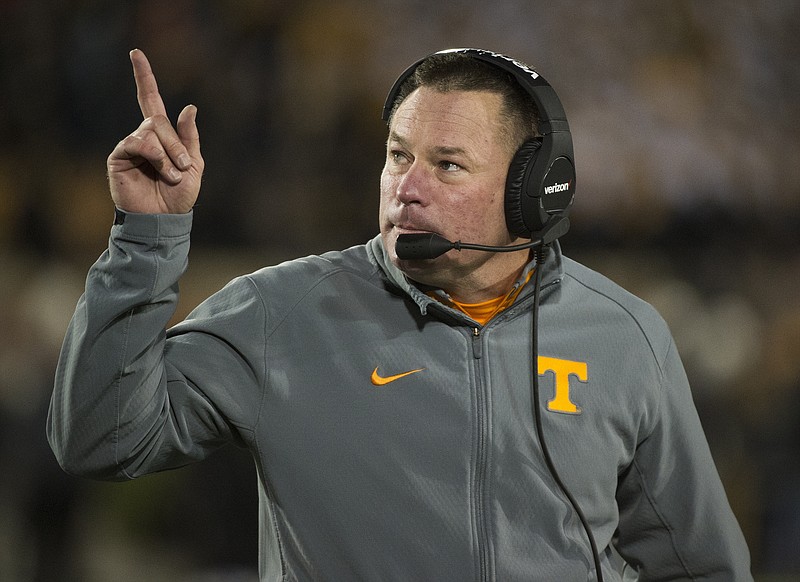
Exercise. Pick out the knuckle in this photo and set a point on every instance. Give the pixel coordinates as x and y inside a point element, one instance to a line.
<point>175,147</point>
<point>159,159</point>
<point>132,140</point>
<point>159,120</point>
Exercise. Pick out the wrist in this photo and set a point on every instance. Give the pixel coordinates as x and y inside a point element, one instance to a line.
<point>147,225</point>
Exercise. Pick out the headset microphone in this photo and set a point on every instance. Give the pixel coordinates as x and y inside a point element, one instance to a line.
<point>428,245</point>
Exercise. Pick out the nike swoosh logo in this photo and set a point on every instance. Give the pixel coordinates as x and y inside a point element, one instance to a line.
<point>379,380</point>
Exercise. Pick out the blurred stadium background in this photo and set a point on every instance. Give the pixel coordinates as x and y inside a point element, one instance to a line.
<point>686,120</point>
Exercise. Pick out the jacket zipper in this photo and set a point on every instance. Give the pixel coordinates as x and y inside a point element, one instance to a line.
<point>481,458</point>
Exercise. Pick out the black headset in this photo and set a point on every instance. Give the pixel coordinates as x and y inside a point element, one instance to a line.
<point>540,186</point>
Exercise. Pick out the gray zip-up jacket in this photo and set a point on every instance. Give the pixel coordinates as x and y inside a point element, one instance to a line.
<point>392,435</point>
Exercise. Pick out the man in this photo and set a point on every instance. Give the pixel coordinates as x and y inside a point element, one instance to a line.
<point>388,402</point>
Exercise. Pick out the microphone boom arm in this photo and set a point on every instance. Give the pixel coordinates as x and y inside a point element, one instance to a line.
<point>428,245</point>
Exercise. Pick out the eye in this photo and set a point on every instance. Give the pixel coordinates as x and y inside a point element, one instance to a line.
<point>449,166</point>
<point>398,157</point>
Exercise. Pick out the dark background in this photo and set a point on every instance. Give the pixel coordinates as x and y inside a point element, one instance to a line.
<point>687,136</point>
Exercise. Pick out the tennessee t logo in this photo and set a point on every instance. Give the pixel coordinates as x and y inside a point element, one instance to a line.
<point>561,370</point>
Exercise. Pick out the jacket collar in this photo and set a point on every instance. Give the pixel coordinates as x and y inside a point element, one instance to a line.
<point>552,272</point>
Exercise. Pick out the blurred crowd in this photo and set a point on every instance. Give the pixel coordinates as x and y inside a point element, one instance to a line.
<point>686,121</point>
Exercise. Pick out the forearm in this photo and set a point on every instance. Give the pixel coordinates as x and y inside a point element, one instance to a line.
<point>110,386</point>
<point>675,520</point>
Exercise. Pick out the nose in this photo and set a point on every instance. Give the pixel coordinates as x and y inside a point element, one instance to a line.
<point>413,185</point>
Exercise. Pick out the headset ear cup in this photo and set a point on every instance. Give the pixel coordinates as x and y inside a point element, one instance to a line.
<point>515,186</point>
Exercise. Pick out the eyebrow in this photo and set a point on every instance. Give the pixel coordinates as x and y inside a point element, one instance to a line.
<point>393,136</point>
<point>439,150</point>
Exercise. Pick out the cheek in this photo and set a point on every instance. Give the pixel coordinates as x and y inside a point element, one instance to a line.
<point>488,197</point>
<point>387,185</point>
<point>386,189</point>
<point>482,216</point>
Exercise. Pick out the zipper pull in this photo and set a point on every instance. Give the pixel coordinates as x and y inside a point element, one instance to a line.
<point>477,349</point>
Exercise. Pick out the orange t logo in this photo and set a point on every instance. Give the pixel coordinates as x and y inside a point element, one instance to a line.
<point>561,370</point>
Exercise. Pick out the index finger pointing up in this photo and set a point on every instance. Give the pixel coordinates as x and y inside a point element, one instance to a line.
<point>147,94</point>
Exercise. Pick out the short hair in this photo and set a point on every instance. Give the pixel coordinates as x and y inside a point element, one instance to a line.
<point>447,72</point>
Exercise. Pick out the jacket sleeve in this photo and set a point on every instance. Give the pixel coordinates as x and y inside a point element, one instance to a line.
<point>675,520</point>
<point>127,400</point>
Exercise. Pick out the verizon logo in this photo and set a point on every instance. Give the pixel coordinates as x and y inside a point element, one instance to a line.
<point>557,188</point>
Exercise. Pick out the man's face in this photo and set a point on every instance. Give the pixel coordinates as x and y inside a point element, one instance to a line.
<point>445,173</point>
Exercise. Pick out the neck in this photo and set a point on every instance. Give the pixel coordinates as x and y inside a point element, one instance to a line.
<point>492,279</point>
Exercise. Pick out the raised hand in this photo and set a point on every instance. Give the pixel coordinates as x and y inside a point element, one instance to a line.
<point>156,169</point>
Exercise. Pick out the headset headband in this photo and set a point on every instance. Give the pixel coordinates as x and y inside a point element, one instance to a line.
<point>551,112</point>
